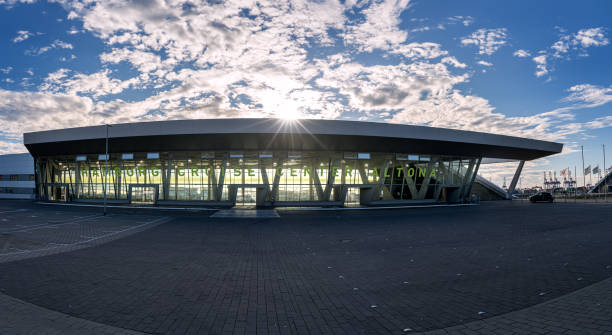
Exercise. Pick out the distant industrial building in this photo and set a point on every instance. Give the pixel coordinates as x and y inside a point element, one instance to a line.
<point>17,176</point>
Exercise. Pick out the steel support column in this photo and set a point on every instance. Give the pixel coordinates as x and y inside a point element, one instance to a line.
<point>515,179</point>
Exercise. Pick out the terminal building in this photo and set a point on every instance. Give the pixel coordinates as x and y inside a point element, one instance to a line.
<point>267,162</point>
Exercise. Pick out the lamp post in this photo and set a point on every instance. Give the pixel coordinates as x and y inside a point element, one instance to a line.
<point>106,166</point>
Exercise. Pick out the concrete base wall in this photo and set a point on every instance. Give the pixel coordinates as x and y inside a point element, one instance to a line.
<point>16,196</point>
<point>485,194</point>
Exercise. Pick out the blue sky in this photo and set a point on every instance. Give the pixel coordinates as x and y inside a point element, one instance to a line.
<point>524,68</point>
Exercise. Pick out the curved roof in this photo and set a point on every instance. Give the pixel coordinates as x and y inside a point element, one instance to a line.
<point>275,134</point>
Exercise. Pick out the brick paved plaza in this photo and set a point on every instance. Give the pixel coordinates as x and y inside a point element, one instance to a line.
<point>499,267</point>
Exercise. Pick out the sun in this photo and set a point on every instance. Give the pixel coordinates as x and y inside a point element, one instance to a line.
<point>289,115</point>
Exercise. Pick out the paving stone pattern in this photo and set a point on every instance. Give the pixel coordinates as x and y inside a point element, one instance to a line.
<point>586,311</point>
<point>454,270</point>
<point>19,317</point>
<point>38,231</point>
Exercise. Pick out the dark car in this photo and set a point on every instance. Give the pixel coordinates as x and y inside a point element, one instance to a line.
<point>542,196</point>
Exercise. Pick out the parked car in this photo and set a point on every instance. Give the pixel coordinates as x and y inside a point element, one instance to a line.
<point>542,196</point>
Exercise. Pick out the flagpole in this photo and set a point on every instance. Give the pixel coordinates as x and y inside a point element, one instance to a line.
<point>583,172</point>
<point>570,176</point>
<point>564,180</point>
<point>575,184</point>
<point>605,184</point>
<point>591,180</point>
<point>569,172</point>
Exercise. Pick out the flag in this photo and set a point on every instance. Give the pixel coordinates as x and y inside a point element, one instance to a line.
<point>563,172</point>
<point>596,169</point>
<point>587,170</point>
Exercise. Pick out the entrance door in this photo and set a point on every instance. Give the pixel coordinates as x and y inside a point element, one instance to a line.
<point>451,194</point>
<point>352,197</point>
<point>143,195</point>
<point>246,197</point>
<point>57,193</point>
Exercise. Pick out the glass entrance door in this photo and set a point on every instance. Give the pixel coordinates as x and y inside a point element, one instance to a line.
<point>57,193</point>
<point>143,195</point>
<point>246,197</point>
<point>352,197</point>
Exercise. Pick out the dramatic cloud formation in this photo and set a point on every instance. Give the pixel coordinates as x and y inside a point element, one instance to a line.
<point>162,60</point>
<point>253,59</point>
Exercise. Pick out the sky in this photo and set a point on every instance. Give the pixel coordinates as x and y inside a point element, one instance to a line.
<point>536,69</point>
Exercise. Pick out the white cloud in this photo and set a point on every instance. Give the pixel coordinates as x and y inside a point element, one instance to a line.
<point>579,42</point>
<point>419,50</point>
<point>388,87</point>
<point>420,29</point>
<point>65,59</point>
<point>541,68</point>
<point>11,3</point>
<point>452,20</point>
<point>591,37</point>
<point>576,127</point>
<point>12,147</point>
<point>487,40</point>
<point>451,60</point>
<point>465,20</point>
<point>22,35</point>
<point>51,111</point>
<point>568,46</point>
<point>73,31</point>
<point>426,94</point>
<point>589,95</point>
<point>484,63</point>
<point>57,44</point>
<point>561,46</point>
<point>521,53</point>
<point>95,84</point>
<point>142,60</point>
<point>380,29</point>
<point>6,70</point>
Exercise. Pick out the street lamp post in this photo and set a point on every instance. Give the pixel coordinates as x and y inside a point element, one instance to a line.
<point>106,158</point>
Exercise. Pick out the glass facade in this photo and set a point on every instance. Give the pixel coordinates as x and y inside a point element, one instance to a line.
<point>257,178</point>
